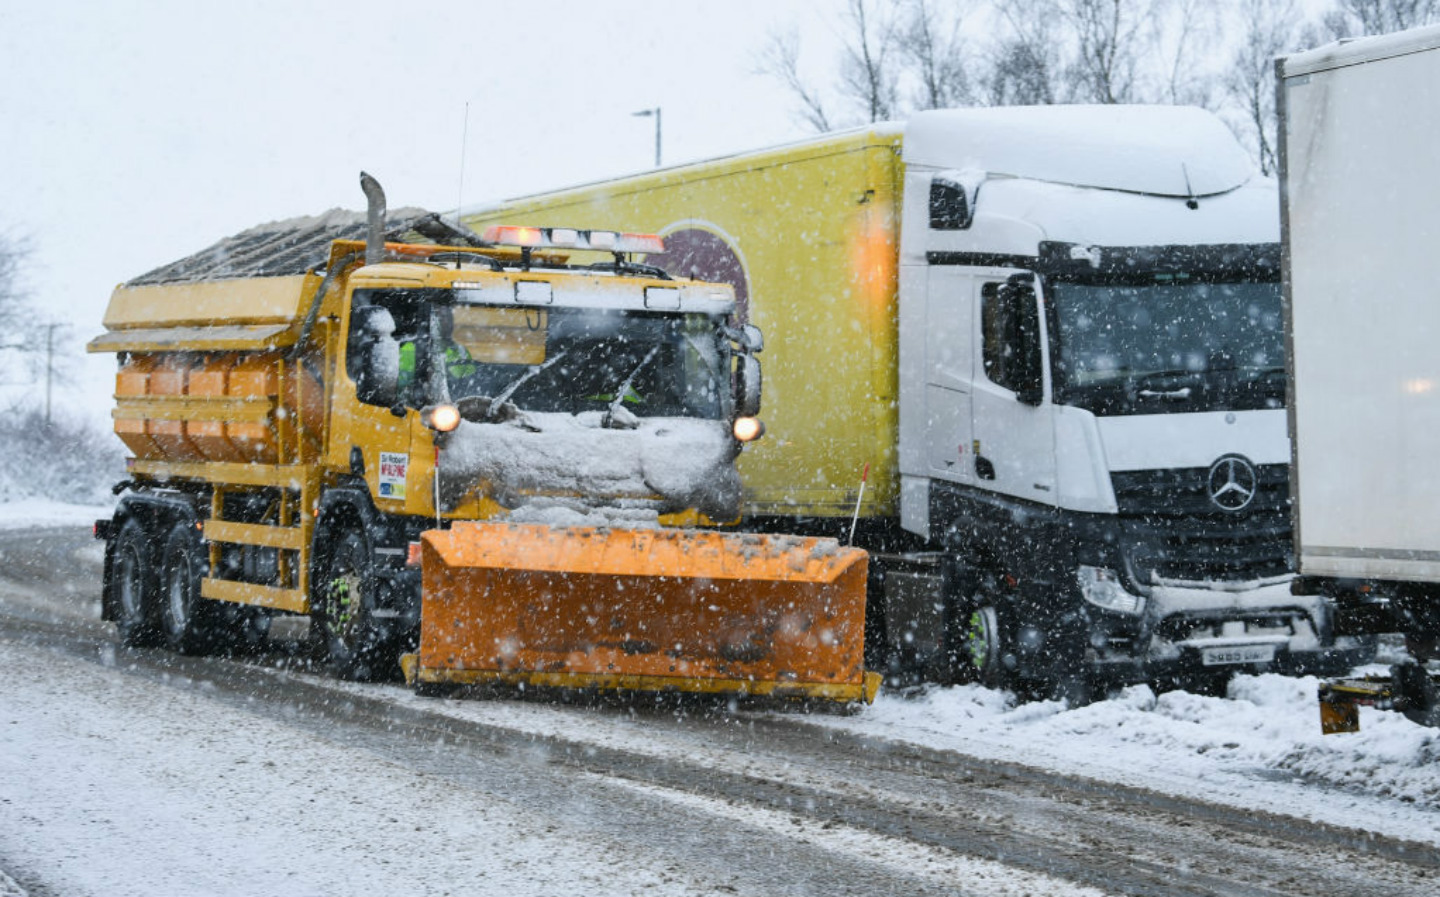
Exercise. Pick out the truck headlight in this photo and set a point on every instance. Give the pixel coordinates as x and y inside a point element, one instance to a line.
<point>442,418</point>
<point>748,429</point>
<point>1101,587</point>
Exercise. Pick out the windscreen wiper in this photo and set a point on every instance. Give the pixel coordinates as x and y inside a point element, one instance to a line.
<point>617,402</point>
<point>1168,385</point>
<point>520,381</point>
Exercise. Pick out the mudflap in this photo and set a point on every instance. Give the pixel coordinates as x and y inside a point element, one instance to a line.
<point>643,610</point>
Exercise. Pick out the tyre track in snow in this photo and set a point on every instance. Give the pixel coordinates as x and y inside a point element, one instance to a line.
<point>1118,839</point>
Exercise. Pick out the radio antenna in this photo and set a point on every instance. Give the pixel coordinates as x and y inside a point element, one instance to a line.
<point>464,137</point>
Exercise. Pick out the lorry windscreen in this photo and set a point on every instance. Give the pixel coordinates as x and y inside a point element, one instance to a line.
<point>572,360</point>
<point>1167,343</point>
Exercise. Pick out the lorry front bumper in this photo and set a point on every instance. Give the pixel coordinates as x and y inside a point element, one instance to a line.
<point>1194,631</point>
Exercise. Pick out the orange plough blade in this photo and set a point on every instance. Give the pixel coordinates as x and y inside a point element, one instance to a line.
<point>643,610</point>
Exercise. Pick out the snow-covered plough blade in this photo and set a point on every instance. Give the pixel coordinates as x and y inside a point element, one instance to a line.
<point>643,610</point>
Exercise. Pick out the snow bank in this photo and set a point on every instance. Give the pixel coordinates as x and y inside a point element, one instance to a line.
<point>31,512</point>
<point>688,463</point>
<point>1259,748</point>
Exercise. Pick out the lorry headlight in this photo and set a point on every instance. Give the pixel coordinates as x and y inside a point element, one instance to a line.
<point>1101,587</point>
<point>441,418</point>
<point>748,429</point>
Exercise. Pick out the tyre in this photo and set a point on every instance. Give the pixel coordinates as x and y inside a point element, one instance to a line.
<point>984,644</point>
<point>133,589</point>
<point>354,641</point>
<point>189,623</point>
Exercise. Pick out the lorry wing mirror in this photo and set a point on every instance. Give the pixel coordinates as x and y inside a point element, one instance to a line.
<point>754,340</point>
<point>747,386</point>
<point>952,199</point>
<point>748,337</point>
<point>1023,319</point>
<point>375,355</point>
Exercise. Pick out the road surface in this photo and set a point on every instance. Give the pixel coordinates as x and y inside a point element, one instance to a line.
<point>127,771</point>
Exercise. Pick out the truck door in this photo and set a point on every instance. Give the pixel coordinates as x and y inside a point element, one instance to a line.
<point>368,434</point>
<point>1013,419</point>
<point>949,366</point>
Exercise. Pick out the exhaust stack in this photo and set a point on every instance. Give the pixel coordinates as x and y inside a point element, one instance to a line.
<point>375,219</point>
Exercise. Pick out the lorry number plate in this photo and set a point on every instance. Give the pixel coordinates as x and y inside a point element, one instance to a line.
<point>1212,657</point>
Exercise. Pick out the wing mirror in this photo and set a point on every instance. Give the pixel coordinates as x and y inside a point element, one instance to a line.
<point>1022,325</point>
<point>747,386</point>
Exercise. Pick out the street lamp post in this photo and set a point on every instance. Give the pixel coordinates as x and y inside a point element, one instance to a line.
<point>647,113</point>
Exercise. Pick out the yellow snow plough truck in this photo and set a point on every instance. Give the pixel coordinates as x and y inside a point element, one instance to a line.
<point>470,457</point>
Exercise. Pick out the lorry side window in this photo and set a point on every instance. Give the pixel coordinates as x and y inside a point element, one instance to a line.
<point>410,313</point>
<point>1006,318</point>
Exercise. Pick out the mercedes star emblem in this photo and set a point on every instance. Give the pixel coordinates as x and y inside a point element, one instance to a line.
<point>1232,483</point>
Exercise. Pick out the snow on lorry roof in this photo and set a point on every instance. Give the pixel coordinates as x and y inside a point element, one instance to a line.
<point>1160,150</point>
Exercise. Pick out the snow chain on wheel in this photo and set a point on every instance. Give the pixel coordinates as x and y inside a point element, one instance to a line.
<point>984,644</point>
<point>355,643</point>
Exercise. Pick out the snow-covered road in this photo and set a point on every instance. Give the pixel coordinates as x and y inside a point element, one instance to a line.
<point>113,780</point>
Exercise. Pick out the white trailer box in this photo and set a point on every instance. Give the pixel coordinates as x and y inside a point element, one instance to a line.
<point>1360,166</point>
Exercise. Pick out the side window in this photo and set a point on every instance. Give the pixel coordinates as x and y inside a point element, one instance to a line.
<point>1010,337</point>
<point>385,328</point>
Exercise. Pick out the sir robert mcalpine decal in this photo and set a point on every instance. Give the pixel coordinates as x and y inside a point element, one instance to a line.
<point>392,474</point>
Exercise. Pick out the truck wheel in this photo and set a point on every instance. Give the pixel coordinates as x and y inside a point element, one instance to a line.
<point>984,644</point>
<point>354,641</point>
<point>134,592</point>
<point>189,623</point>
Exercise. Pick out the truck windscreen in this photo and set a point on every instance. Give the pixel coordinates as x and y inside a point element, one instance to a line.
<point>576,360</point>
<point>1168,344</point>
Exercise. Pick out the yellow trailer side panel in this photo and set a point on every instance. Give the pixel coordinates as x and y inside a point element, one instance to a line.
<point>812,232</point>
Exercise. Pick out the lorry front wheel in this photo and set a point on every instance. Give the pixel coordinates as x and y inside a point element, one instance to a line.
<point>985,643</point>
<point>355,641</point>
<point>189,622</point>
<point>134,588</point>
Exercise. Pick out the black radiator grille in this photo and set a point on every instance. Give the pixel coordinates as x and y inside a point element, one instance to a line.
<point>1172,530</point>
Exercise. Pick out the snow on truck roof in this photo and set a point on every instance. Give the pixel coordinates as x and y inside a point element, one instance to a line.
<point>1160,150</point>
<point>1362,49</point>
<point>280,248</point>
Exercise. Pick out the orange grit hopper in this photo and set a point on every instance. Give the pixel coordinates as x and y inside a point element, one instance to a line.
<point>644,609</point>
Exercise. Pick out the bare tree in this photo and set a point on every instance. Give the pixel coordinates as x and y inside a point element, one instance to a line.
<point>1179,55</point>
<point>868,75</point>
<point>15,310</point>
<point>1353,18</point>
<point>931,44</point>
<point>780,59</point>
<point>869,67</point>
<point>1270,27</point>
<point>13,252</point>
<point>1025,65</point>
<point>1110,37</point>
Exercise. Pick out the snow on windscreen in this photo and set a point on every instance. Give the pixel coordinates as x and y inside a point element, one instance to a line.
<point>1164,150</point>
<point>687,462</point>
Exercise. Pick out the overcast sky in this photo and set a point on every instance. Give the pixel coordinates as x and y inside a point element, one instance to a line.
<point>137,133</point>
